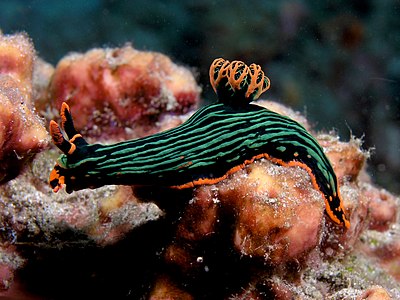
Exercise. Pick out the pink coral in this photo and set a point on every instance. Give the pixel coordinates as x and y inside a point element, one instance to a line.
<point>279,218</point>
<point>16,59</point>
<point>383,208</point>
<point>116,90</point>
<point>22,132</point>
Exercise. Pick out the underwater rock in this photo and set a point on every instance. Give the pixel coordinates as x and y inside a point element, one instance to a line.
<point>237,210</point>
<point>121,92</point>
<point>22,132</point>
<point>276,218</point>
<point>31,211</point>
<point>279,216</point>
<point>383,208</point>
<point>261,233</point>
<point>348,160</point>
<point>10,261</point>
<point>32,216</point>
<point>278,213</point>
<point>383,247</point>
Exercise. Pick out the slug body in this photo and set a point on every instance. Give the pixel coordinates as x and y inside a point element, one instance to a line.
<point>216,141</point>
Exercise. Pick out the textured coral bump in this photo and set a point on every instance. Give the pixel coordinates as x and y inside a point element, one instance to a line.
<point>118,89</point>
<point>22,132</point>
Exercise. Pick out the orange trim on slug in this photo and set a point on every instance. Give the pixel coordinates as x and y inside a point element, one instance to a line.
<point>55,133</point>
<point>64,107</point>
<point>208,181</point>
<point>71,140</point>
<point>55,176</point>
<point>72,149</point>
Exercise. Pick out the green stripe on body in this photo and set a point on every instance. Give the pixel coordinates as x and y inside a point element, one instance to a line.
<point>215,139</point>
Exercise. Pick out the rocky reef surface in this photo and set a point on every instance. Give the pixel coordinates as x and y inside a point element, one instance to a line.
<point>260,234</point>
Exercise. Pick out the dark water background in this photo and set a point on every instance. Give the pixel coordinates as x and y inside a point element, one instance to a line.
<point>337,61</point>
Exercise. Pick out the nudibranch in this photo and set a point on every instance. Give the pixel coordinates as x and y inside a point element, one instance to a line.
<point>216,141</point>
